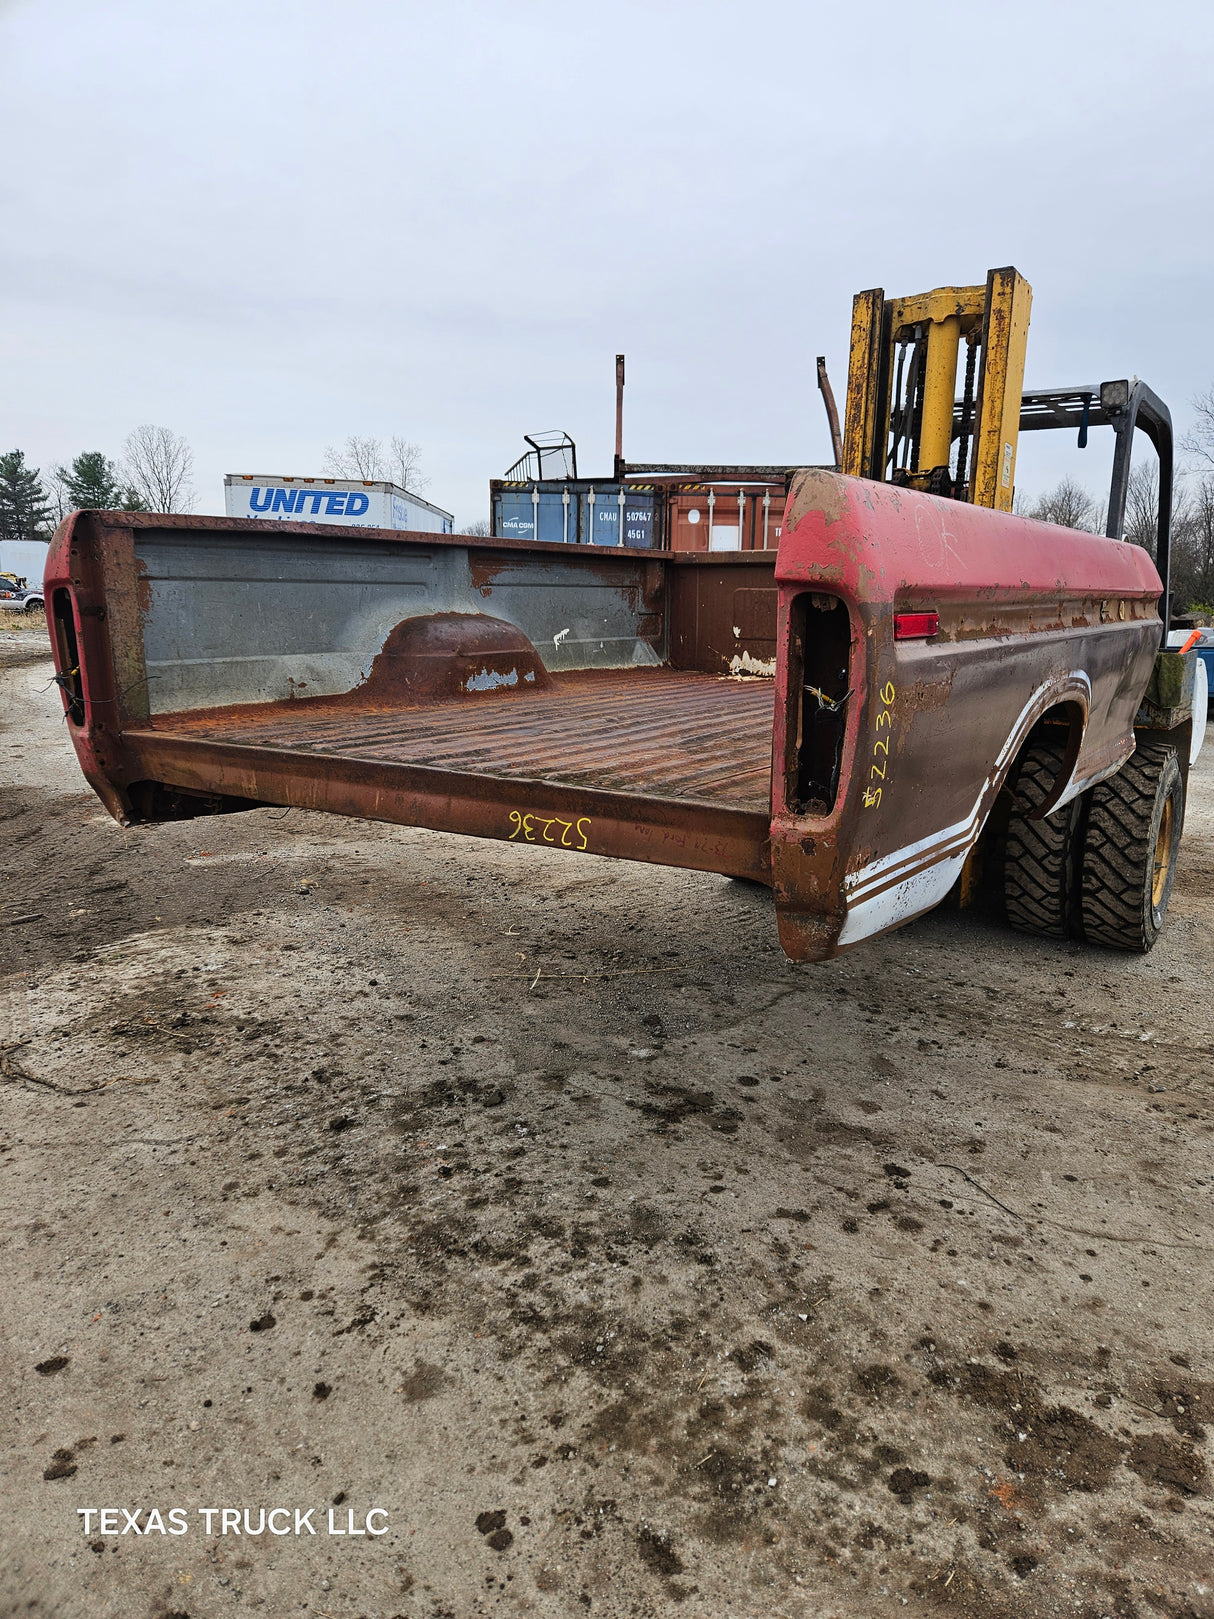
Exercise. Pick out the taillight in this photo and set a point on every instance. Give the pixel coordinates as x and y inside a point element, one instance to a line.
<point>915,626</point>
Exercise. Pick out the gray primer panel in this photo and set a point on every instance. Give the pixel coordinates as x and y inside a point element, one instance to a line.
<point>238,620</point>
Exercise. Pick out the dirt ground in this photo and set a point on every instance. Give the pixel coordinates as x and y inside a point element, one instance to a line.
<point>678,1279</point>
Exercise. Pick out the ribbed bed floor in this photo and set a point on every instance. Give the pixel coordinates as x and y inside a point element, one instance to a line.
<point>659,732</point>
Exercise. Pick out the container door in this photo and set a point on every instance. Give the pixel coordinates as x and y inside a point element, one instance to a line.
<point>514,514</point>
<point>557,515</point>
<point>543,511</point>
<point>726,513</point>
<point>639,518</point>
<point>600,514</point>
<point>764,518</point>
<point>688,511</point>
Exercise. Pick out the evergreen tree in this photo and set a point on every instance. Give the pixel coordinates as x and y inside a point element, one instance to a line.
<point>25,511</point>
<point>92,482</point>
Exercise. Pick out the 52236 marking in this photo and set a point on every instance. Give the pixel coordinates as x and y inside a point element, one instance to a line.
<point>876,770</point>
<point>527,825</point>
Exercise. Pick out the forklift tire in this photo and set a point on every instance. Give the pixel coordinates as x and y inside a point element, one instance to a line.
<point>1039,857</point>
<point>1129,850</point>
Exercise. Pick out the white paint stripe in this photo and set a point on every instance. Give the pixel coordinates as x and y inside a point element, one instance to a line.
<point>900,902</point>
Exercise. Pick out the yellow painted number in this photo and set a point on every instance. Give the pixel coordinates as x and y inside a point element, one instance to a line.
<point>525,826</point>
<point>883,722</point>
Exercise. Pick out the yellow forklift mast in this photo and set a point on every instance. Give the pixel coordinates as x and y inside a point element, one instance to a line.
<point>900,417</point>
<point>907,423</point>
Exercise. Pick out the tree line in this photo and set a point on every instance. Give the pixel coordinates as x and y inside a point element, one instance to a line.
<point>154,474</point>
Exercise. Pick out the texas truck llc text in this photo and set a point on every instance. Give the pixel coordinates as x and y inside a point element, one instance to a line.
<point>229,1521</point>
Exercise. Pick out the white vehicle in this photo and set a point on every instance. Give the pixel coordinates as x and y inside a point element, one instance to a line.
<point>19,598</point>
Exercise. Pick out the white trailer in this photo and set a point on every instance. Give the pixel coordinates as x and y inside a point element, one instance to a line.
<point>25,558</point>
<point>348,502</point>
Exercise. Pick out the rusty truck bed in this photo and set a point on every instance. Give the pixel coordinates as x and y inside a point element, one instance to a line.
<point>662,733</point>
<point>898,653</point>
<point>604,701</point>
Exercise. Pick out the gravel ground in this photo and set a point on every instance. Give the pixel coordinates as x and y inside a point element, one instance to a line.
<point>675,1279</point>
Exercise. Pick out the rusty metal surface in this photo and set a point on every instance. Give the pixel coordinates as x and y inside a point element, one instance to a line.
<point>441,655</point>
<point>689,738</point>
<point>690,514</point>
<point>1034,620</point>
<point>723,618</point>
<point>628,826</point>
<point>232,616</point>
<point>687,762</point>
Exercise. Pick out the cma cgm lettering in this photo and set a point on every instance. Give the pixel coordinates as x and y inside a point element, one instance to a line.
<point>336,502</point>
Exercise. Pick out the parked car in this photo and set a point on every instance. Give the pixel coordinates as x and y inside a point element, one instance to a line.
<point>19,598</point>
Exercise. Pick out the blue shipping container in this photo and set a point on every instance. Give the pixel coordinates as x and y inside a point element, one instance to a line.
<point>575,513</point>
<point>519,513</point>
<point>605,505</point>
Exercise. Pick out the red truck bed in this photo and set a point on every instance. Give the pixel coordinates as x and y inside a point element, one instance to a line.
<point>907,650</point>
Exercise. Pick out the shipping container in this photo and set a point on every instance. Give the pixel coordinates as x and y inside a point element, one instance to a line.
<point>576,511</point>
<point>348,502</point>
<point>653,506</point>
<point>724,516</point>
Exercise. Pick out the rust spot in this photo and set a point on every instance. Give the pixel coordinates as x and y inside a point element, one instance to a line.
<point>143,587</point>
<point>484,571</point>
<point>443,654</point>
<point>816,490</point>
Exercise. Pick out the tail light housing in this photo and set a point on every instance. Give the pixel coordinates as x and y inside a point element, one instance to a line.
<point>915,626</point>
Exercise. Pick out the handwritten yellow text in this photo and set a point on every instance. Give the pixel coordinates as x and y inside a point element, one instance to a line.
<point>539,829</point>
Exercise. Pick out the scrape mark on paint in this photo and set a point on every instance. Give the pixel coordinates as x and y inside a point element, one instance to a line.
<point>743,664</point>
<point>491,680</point>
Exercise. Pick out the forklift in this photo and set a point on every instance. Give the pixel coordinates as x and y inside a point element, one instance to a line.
<point>1074,871</point>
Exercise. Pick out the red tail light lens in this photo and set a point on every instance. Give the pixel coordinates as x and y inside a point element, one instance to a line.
<point>915,626</point>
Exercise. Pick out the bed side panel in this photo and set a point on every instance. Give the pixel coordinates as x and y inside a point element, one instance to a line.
<point>254,612</point>
<point>1032,618</point>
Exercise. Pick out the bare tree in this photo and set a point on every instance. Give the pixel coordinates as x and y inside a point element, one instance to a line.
<point>1199,440</point>
<point>356,458</point>
<point>1068,504</point>
<point>406,461</point>
<point>57,493</point>
<point>480,528</point>
<point>1193,549</point>
<point>158,465</point>
<point>368,459</point>
<point>1142,506</point>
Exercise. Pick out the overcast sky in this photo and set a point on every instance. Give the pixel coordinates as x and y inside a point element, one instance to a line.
<point>273,223</point>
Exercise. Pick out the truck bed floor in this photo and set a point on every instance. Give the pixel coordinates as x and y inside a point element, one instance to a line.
<point>659,732</point>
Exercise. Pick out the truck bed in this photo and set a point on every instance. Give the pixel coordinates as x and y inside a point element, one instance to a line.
<point>836,719</point>
<point>662,733</point>
<point>610,701</point>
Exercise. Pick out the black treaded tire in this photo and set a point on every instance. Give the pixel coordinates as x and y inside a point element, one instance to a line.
<point>1128,862</point>
<point>1039,856</point>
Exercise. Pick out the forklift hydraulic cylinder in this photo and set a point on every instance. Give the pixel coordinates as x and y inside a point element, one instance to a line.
<point>939,385</point>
